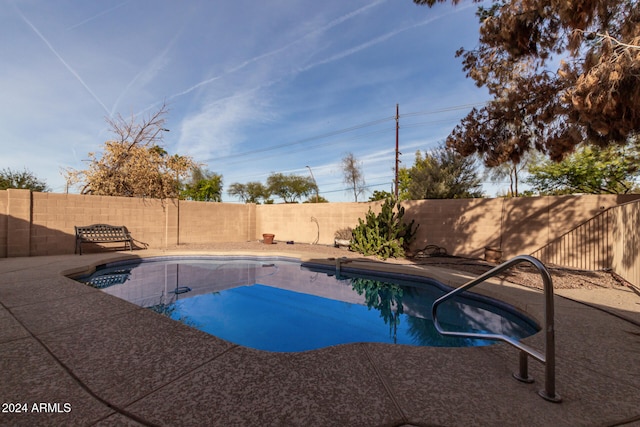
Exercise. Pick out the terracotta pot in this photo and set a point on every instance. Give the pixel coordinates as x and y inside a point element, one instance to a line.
<point>267,239</point>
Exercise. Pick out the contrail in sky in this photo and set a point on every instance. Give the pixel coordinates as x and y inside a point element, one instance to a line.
<point>175,95</point>
<point>98,15</point>
<point>71,70</point>
<point>314,32</point>
<point>377,40</point>
<point>320,30</point>
<point>155,65</point>
<point>194,87</point>
<point>358,48</point>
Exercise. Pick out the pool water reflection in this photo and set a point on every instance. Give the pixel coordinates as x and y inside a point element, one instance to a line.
<point>276,304</point>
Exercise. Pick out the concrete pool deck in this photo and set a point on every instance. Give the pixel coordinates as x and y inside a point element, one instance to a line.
<point>72,355</point>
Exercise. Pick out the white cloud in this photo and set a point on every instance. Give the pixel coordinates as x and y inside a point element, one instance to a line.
<point>218,127</point>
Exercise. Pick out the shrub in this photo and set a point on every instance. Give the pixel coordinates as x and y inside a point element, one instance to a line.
<point>384,235</point>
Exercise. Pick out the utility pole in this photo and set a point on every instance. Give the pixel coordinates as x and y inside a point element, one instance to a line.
<point>397,151</point>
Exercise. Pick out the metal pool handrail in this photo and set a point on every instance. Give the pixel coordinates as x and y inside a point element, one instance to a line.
<point>548,359</point>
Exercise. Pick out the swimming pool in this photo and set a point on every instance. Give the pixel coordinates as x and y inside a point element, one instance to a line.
<point>282,305</point>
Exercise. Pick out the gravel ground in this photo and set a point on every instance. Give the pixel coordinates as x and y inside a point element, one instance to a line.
<point>525,275</point>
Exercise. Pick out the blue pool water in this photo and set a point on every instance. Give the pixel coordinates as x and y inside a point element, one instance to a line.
<point>280,305</point>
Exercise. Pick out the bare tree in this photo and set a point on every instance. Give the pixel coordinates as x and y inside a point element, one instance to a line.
<point>148,132</point>
<point>353,175</point>
<point>134,164</point>
<point>512,170</point>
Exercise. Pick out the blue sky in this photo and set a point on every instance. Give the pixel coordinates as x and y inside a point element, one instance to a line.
<point>253,87</point>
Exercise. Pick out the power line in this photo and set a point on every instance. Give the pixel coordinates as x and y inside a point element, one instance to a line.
<point>309,147</point>
<point>444,110</point>
<point>379,177</point>
<point>431,122</point>
<point>288,144</point>
<point>350,189</point>
<point>351,129</point>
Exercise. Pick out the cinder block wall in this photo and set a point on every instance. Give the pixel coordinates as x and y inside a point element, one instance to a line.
<point>202,222</point>
<point>461,226</point>
<point>34,224</point>
<point>309,222</point>
<point>626,242</point>
<point>4,217</point>
<point>464,227</point>
<point>55,215</point>
<point>18,222</point>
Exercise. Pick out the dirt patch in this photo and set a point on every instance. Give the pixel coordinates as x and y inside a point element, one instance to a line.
<point>527,275</point>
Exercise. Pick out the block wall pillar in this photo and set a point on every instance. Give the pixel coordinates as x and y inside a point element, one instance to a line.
<point>19,217</point>
<point>172,222</point>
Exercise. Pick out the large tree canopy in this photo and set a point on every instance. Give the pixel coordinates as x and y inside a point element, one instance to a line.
<point>23,180</point>
<point>592,170</point>
<point>251,192</point>
<point>290,188</point>
<point>443,174</point>
<point>560,73</point>
<point>204,186</point>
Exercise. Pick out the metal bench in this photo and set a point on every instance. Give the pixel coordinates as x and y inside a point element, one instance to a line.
<point>102,233</point>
